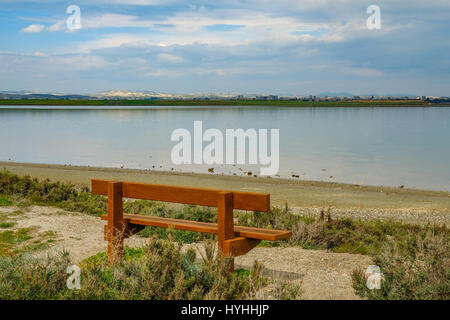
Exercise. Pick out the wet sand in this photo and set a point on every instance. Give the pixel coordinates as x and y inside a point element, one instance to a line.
<point>305,196</point>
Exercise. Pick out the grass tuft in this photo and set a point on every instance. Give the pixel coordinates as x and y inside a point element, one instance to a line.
<point>5,201</point>
<point>5,225</point>
<point>11,239</point>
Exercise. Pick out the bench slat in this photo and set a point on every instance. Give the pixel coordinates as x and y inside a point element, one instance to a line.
<point>207,227</point>
<point>199,196</point>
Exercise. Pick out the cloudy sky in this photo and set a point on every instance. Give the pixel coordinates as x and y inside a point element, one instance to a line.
<point>253,46</point>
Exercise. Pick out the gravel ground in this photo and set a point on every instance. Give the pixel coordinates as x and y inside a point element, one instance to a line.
<point>79,233</point>
<point>407,215</point>
<point>322,274</point>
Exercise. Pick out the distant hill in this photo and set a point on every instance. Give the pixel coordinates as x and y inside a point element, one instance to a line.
<point>335,94</point>
<point>43,96</point>
<point>153,95</point>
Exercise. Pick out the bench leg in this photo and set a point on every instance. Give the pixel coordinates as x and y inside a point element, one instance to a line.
<point>228,255</point>
<point>225,224</point>
<point>115,222</point>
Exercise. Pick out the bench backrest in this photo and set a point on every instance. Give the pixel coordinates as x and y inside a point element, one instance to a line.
<point>198,196</point>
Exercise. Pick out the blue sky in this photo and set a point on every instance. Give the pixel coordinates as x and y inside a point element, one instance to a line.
<point>280,47</point>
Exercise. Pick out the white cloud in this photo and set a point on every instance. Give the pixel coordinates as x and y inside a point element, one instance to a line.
<point>114,41</point>
<point>34,28</point>
<point>80,62</point>
<point>167,57</point>
<point>59,26</point>
<point>113,20</point>
<point>303,45</point>
<point>39,54</point>
<point>364,72</point>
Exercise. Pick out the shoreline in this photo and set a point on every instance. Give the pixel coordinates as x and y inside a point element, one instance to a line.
<point>269,180</point>
<point>305,197</point>
<point>211,103</point>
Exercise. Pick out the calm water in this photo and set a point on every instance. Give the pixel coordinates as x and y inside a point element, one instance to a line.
<point>377,146</point>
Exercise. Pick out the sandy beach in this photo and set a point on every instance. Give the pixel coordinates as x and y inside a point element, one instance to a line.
<point>358,201</point>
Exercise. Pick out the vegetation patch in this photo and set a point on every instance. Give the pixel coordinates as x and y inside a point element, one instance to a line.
<point>5,201</point>
<point>336,234</point>
<point>5,225</point>
<point>26,190</point>
<point>5,219</point>
<point>417,268</point>
<point>23,240</point>
<point>10,240</point>
<point>157,271</point>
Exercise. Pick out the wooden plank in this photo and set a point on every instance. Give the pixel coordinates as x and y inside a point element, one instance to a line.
<point>177,224</point>
<point>240,245</point>
<point>199,196</point>
<point>262,234</point>
<point>206,227</point>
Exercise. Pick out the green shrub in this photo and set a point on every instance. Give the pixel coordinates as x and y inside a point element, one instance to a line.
<point>65,196</point>
<point>24,277</point>
<point>6,224</point>
<point>418,268</point>
<point>4,201</point>
<point>336,234</point>
<point>157,271</point>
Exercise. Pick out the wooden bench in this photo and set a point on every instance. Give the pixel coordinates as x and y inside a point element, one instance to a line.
<point>232,240</point>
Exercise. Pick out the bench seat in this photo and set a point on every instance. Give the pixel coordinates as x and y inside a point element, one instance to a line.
<point>207,227</point>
